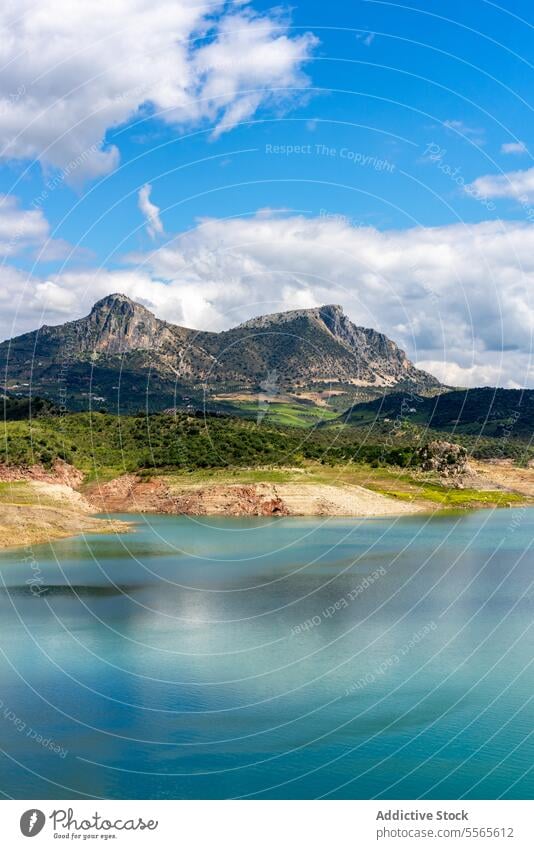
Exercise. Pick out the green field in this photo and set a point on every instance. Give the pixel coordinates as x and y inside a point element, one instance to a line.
<point>286,414</point>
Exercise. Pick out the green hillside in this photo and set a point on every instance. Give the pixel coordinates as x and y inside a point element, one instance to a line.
<point>105,444</point>
<point>501,414</point>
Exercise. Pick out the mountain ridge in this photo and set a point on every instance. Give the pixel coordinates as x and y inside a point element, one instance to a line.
<point>122,342</point>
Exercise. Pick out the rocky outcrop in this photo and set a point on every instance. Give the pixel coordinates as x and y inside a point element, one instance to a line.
<point>130,493</point>
<point>447,459</point>
<point>59,473</point>
<point>117,325</point>
<point>237,500</point>
<point>335,348</point>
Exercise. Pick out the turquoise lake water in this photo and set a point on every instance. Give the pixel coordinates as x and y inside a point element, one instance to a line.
<point>284,658</point>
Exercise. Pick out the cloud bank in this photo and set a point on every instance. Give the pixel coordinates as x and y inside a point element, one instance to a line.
<point>71,71</point>
<point>19,228</point>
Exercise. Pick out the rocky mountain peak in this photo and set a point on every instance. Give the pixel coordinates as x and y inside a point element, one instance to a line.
<point>117,303</point>
<point>117,324</point>
<point>332,311</point>
<point>334,318</point>
<point>329,312</point>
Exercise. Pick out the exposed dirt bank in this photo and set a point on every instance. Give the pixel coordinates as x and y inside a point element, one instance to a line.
<point>131,494</point>
<point>502,474</point>
<point>60,473</point>
<point>38,505</point>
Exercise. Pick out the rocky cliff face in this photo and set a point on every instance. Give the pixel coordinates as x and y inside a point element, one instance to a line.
<point>117,325</point>
<point>331,347</point>
<point>122,343</point>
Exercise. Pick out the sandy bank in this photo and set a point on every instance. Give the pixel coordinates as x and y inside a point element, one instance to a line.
<point>38,506</point>
<point>29,525</point>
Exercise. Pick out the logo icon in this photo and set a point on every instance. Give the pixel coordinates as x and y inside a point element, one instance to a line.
<point>32,822</point>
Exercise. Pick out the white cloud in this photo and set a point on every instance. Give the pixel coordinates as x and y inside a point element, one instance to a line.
<point>456,297</point>
<point>19,228</point>
<point>73,71</point>
<point>513,184</point>
<point>479,373</point>
<point>514,147</point>
<point>23,230</point>
<point>52,298</point>
<point>27,302</point>
<point>476,134</point>
<point>366,38</point>
<point>150,211</point>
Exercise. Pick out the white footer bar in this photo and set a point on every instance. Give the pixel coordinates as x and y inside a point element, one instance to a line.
<point>270,824</point>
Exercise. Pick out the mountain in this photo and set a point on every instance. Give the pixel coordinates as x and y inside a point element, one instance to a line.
<point>507,414</point>
<point>323,344</point>
<point>122,352</point>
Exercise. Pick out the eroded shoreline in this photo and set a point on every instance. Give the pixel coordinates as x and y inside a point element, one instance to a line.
<point>225,498</point>
<point>38,505</point>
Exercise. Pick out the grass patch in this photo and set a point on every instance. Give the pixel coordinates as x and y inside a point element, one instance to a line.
<point>454,497</point>
<point>286,414</point>
<point>25,494</point>
<point>19,493</point>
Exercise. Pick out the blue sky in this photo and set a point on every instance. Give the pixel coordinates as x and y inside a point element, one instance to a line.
<point>219,162</point>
